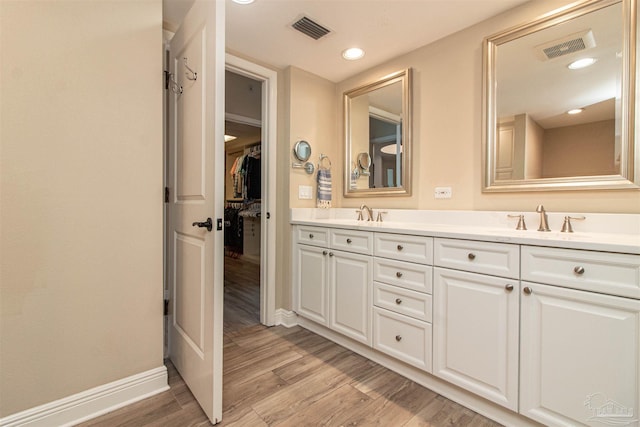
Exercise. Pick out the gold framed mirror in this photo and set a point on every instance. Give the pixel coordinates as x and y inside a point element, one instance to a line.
<point>532,81</point>
<point>377,119</point>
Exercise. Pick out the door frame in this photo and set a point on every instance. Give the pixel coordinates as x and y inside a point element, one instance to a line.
<point>268,217</point>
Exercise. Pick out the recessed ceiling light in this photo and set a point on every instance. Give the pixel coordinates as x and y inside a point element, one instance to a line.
<point>243,1</point>
<point>575,111</point>
<point>228,138</point>
<point>581,63</point>
<point>353,53</point>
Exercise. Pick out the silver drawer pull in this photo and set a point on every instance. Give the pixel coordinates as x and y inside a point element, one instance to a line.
<point>579,270</point>
<point>400,247</point>
<point>348,240</point>
<point>324,252</point>
<point>471,256</point>
<point>398,301</point>
<point>527,290</point>
<point>398,338</point>
<point>398,275</point>
<point>509,288</point>
<point>310,236</point>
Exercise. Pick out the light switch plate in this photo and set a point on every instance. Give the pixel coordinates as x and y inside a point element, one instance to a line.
<point>442,193</point>
<point>305,192</point>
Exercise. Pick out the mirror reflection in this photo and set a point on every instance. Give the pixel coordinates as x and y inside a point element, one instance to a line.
<point>302,151</point>
<point>556,106</point>
<point>377,137</point>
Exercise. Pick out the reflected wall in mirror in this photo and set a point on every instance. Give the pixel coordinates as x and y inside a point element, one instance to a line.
<point>554,123</point>
<point>377,120</point>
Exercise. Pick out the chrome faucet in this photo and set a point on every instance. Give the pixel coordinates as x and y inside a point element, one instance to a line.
<point>543,219</point>
<point>368,210</point>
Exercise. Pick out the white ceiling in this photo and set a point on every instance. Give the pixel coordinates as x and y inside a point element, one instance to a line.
<point>383,28</point>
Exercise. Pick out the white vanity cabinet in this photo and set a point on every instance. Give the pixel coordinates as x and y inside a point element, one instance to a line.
<point>579,350</point>
<point>333,286</point>
<point>522,332</point>
<point>402,298</point>
<point>476,317</point>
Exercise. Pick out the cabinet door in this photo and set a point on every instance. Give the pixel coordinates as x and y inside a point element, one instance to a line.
<point>350,286</point>
<point>579,357</point>
<point>475,332</point>
<point>311,283</point>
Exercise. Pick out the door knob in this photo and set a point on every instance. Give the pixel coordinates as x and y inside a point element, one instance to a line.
<point>208,224</point>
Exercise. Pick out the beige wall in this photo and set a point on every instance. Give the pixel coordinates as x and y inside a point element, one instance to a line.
<point>580,150</point>
<point>533,150</point>
<point>447,128</point>
<point>312,118</point>
<point>80,196</point>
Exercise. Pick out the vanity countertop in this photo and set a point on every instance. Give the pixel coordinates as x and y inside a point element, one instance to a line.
<point>623,230</point>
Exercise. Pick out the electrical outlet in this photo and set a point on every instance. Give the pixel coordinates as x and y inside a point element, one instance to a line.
<point>305,192</point>
<point>442,193</point>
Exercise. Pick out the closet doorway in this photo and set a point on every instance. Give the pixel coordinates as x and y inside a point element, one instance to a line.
<point>249,223</point>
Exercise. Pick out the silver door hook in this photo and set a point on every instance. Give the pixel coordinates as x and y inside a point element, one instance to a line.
<point>194,75</point>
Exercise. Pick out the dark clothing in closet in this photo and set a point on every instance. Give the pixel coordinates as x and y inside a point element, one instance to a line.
<point>252,178</point>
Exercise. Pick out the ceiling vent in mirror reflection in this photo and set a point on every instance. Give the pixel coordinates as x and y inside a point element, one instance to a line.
<point>310,28</point>
<point>569,44</point>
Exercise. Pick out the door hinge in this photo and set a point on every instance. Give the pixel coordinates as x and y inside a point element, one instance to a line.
<point>166,194</point>
<point>166,307</point>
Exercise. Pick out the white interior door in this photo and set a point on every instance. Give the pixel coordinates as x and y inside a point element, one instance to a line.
<point>196,181</point>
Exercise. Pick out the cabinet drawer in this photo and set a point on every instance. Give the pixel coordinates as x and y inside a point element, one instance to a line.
<point>404,274</point>
<point>403,301</point>
<point>352,241</point>
<point>609,273</point>
<point>497,259</point>
<point>404,338</point>
<point>309,235</point>
<point>407,248</point>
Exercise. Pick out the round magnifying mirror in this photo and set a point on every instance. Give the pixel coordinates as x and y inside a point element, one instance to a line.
<point>302,151</point>
<point>364,161</point>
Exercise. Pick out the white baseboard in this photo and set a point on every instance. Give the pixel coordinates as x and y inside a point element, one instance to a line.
<point>286,318</point>
<point>92,403</point>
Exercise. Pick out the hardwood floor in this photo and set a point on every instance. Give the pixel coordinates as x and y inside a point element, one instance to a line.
<point>291,377</point>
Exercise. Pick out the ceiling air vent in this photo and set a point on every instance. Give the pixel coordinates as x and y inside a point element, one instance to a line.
<point>566,45</point>
<point>310,28</point>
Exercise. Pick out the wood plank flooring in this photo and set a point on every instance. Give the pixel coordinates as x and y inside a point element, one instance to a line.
<point>291,377</point>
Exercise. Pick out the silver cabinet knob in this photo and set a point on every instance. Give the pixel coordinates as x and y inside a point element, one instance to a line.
<point>578,270</point>
<point>398,274</point>
<point>509,288</point>
<point>527,290</point>
<point>398,301</point>
<point>400,247</point>
<point>330,253</point>
<point>398,338</point>
<point>349,241</point>
<point>310,236</point>
<point>324,252</point>
<point>471,256</point>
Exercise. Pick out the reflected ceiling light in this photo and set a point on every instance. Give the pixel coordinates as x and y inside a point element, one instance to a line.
<point>243,1</point>
<point>390,149</point>
<point>581,63</point>
<point>353,53</point>
<point>575,111</point>
<point>228,138</point>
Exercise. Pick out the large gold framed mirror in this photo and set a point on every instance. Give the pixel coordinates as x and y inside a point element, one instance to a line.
<point>552,123</point>
<point>377,119</point>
